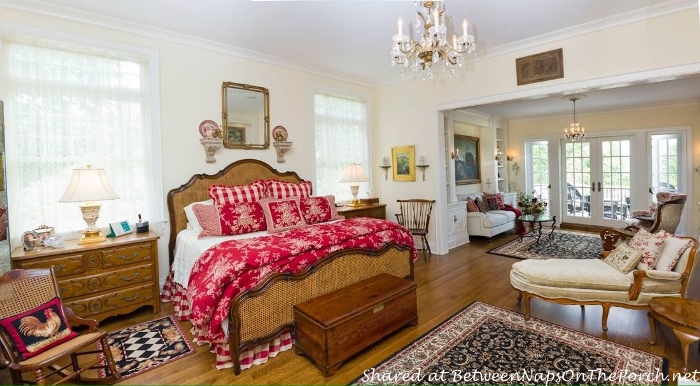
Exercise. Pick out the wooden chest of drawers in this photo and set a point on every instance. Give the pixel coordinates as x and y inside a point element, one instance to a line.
<point>332,328</point>
<point>376,211</point>
<point>102,279</point>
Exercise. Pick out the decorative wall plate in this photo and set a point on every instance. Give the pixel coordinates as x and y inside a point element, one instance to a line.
<point>207,128</point>
<point>279,133</point>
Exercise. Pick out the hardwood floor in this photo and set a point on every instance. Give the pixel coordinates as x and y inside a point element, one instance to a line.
<point>446,284</point>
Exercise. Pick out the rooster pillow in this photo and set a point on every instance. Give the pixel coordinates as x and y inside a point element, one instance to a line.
<point>37,330</point>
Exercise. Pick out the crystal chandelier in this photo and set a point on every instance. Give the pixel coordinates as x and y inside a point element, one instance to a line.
<point>432,46</point>
<point>576,131</point>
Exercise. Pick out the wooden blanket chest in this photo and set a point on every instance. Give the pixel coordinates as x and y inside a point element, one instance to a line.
<point>333,327</point>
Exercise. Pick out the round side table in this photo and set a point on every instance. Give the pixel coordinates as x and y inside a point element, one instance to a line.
<point>682,316</point>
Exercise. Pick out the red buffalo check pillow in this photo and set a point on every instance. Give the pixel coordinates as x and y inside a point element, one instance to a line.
<point>234,194</point>
<point>282,214</point>
<point>229,219</point>
<point>281,189</point>
<point>319,209</point>
<point>39,329</point>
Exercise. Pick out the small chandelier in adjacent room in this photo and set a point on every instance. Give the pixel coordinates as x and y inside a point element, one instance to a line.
<point>432,45</point>
<point>576,131</point>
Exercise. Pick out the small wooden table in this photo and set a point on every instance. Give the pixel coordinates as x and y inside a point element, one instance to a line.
<point>682,316</point>
<point>376,211</point>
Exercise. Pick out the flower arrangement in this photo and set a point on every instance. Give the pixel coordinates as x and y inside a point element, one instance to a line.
<point>531,203</point>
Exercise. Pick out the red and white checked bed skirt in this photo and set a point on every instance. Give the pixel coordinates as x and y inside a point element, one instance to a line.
<point>177,295</point>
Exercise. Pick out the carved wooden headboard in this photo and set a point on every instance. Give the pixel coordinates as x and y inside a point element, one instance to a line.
<point>195,189</point>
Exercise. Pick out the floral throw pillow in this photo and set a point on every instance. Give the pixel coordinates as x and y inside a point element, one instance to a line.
<point>282,214</point>
<point>623,258</point>
<point>671,252</point>
<point>319,209</point>
<point>229,219</point>
<point>39,329</point>
<point>650,245</point>
<point>498,197</point>
<point>492,203</point>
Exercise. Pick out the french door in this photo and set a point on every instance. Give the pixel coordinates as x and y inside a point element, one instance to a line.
<point>599,174</point>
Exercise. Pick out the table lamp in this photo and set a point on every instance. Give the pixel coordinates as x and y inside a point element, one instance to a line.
<point>354,174</point>
<point>89,186</point>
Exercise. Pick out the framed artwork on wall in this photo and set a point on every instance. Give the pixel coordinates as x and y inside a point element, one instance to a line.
<point>466,157</point>
<point>540,67</point>
<point>403,159</point>
<point>234,135</point>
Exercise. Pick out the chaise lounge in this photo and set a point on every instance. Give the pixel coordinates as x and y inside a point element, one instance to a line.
<point>596,282</point>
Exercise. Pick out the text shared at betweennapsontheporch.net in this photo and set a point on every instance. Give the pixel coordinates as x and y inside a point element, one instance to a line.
<point>373,376</point>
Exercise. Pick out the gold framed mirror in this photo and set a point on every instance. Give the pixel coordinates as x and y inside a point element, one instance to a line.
<point>245,116</point>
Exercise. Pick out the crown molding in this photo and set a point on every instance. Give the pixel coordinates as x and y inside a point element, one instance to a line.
<point>652,12</point>
<point>66,13</point>
<point>102,21</point>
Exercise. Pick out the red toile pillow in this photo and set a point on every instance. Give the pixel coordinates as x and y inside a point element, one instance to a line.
<point>319,209</point>
<point>281,189</point>
<point>282,214</point>
<point>235,194</point>
<point>229,219</point>
<point>39,329</point>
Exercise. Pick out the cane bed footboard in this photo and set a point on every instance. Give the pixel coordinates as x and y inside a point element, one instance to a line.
<point>259,315</point>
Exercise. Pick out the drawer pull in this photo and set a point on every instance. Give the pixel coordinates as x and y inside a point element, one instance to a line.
<point>378,308</point>
<point>130,278</point>
<point>131,299</point>
<point>59,267</point>
<point>133,256</point>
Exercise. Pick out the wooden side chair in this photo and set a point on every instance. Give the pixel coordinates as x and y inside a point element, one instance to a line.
<point>36,334</point>
<point>415,215</point>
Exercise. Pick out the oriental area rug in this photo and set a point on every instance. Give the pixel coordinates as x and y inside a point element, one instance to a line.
<point>148,345</point>
<point>485,345</point>
<point>562,245</point>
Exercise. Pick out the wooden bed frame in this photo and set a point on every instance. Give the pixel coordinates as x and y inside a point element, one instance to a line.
<point>259,315</point>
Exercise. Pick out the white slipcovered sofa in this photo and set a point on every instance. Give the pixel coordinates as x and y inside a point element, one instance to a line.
<point>595,282</point>
<point>489,224</point>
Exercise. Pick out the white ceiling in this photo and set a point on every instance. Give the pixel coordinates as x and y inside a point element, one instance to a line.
<point>351,39</point>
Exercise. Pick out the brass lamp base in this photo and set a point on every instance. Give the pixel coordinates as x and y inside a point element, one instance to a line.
<point>90,237</point>
<point>354,203</point>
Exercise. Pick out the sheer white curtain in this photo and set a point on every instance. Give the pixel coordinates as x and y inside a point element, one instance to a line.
<point>341,138</point>
<point>68,106</point>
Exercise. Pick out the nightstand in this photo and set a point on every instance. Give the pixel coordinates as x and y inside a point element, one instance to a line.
<point>102,279</point>
<point>376,211</point>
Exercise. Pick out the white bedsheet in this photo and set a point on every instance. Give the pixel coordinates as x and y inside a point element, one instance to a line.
<point>188,248</point>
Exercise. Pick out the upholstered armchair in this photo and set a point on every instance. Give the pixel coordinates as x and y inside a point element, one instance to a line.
<point>666,217</point>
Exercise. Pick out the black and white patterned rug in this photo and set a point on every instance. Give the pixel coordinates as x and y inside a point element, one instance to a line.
<point>148,345</point>
<point>562,245</point>
<point>486,345</point>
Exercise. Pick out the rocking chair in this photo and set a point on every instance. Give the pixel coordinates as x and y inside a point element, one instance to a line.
<point>35,333</point>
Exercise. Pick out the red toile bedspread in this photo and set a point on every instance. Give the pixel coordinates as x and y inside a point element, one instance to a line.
<point>232,267</point>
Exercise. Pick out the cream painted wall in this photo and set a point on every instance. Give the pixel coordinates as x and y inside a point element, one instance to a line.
<point>633,48</point>
<point>600,124</point>
<point>190,92</point>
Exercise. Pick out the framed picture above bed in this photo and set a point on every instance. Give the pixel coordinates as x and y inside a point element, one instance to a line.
<point>466,157</point>
<point>403,159</point>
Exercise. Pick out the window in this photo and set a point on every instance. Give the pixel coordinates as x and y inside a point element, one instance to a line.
<point>538,177</point>
<point>341,137</point>
<point>68,106</point>
<point>665,162</point>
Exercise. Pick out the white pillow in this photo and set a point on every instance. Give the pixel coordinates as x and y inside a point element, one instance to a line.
<point>671,252</point>
<point>192,218</point>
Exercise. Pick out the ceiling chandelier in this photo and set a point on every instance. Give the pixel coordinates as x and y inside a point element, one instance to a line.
<point>576,131</point>
<point>432,46</point>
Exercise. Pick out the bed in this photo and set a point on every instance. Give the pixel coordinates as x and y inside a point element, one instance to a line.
<point>260,319</point>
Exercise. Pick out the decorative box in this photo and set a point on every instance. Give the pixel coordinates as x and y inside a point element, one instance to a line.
<point>369,201</point>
